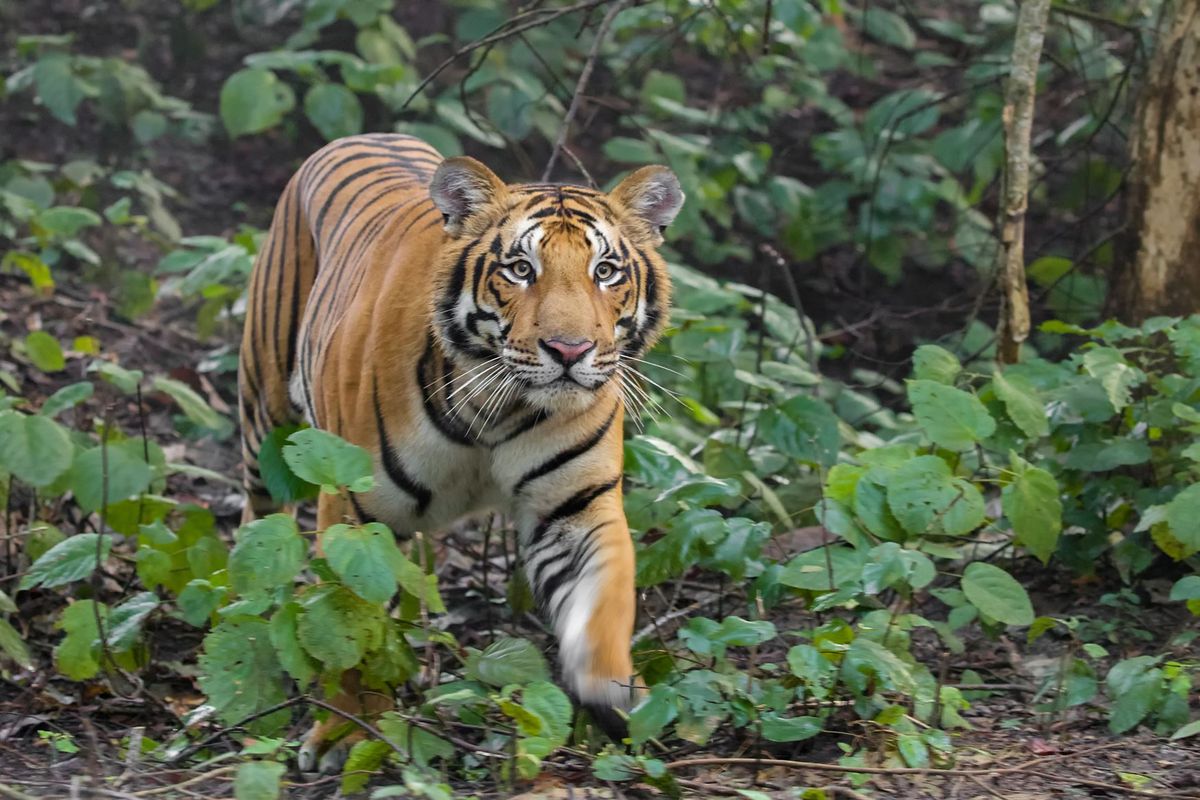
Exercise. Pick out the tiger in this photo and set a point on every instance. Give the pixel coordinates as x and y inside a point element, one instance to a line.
<point>476,338</point>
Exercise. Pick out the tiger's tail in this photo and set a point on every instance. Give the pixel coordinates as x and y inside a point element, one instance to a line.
<point>283,276</point>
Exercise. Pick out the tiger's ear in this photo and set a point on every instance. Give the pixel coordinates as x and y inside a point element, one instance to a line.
<point>462,187</point>
<point>652,194</point>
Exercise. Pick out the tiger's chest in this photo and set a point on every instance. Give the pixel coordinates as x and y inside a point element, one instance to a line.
<point>423,482</point>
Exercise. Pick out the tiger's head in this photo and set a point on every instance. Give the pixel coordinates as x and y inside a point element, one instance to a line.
<point>558,285</point>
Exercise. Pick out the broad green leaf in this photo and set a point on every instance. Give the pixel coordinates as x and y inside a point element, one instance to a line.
<point>925,497</point>
<point>365,757</point>
<point>1187,731</point>
<point>128,474</point>
<point>57,87</point>
<point>72,559</point>
<point>67,221</point>
<point>334,110</point>
<point>1106,456</point>
<point>362,557</point>
<point>913,750</point>
<point>65,398</point>
<point>124,625</point>
<point>510,110</point>
<point>789,729</point>
<point>508,660</point>
<point>651,716</point>
<point>240,673</point>
<point>997,594</point>
<point>422,746</point>
<point>198,600</point>
<point>1033,507</point>
<point>934,363</point>
<point>13,646</point>
<point>803,428</point>
<point>950,417</point>
<point>269,552</point>
<point>415,580</point>
<point>707,637</point>
<point>1023,404</point>
<point>195,407</point>
<point>1183,517</point>
<point>45,352</point>
<point>337,627</point>
<point>35,449</point>
<point>42,537</point>
<point>75,656</point>
<point>126,380</point>
<point>810,570</point>
<point>1186,588</point>
<point>1118,378</point>
<point>1135,686</point>
<point>329,461</point>
<point>253,100</point>
<point>258,780</point>
<point>616,767</point>
<point>286,639</point>
<point>552,708</point>
<point>283,484</point>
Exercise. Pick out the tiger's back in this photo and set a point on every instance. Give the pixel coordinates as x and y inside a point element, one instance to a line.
<point>477,339</point>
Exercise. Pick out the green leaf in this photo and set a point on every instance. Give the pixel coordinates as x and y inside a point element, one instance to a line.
<point>1186,588</point>
<point>789,729</point>
<point>651,716</point>
<point>333,110</point>
<point>66,397</point>
<point>1183,517</point>
<point>124,625</point>
<point>616,767</point>
<point>810,570</point>
<point>269,552</point>
<point>286,639</point>
<point>75,656</point>
<point>950,417</point>
<point>57,87</point>
<point>1135,686</point>
<point>804,429</point>
<point>283,484</point>
<point>510,110</point>
<point>329,461</point>
<point>631,151</point>
<point>365,757</point>
<point>35,449</point>
<point>1023,404</point>
<point>338,628</point>
<point>888,27</point>
<point>65,222</point>
<point>934,363</point>
<point>253,100</point>
<point>258,780</point>
<point>508,660</point>
<point>1118,378</point>
<point>195,407</point>
<point>13,646</point>
<point>913,750</point>
<point>1187,731</point>
<point>70,560</point>
<point>1033,507</point>
<point>552,708</point>
<point>240,673</point>
<point>198,600</point>
<point>1106,456</point>
<point>362,557</point>
<point>126,380</point>
<point>128,474</point>
<point>997,594</point>
<point>45,352</point>
<point>926,498</point>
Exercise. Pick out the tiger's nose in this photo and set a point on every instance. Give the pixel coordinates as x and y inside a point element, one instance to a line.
<point>567,353</point>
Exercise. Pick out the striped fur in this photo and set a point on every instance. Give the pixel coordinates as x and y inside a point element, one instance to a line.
<point>426,311</point>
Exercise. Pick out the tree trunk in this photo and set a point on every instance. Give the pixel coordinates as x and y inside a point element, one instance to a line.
<point>1159,268</point>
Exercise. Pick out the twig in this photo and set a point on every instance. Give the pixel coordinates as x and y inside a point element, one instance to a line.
<point>581,85</point>
<point>14,794</point>
<point>498,35</point>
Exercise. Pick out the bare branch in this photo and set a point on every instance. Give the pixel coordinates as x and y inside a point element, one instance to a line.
<point>1019,93</point>
<point>584,77</point>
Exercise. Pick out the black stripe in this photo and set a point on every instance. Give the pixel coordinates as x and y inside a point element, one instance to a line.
<point>429,387</point>
<point>391,464</point>
<point>585,550</point>
<point>573,505</point>
<point>528,424</point>
<point>363,516</point>
<point>561,458</point>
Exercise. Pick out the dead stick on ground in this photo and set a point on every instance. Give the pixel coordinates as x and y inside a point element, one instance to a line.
<point>1019,93</point>
<point>581,86</point>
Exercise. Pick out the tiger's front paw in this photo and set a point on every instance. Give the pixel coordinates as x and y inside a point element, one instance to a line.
<point>324,757</point>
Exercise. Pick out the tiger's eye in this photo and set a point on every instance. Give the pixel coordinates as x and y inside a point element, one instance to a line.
<point>521,269</point>
<point>604,271</point>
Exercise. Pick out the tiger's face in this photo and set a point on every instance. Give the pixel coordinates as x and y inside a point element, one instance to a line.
<point>554,288</point>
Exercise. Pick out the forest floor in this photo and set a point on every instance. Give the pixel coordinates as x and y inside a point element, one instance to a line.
<point>65,739</point>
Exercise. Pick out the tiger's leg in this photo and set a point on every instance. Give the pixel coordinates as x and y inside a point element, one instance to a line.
<point>317,751</point>
<point>579,559</point>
